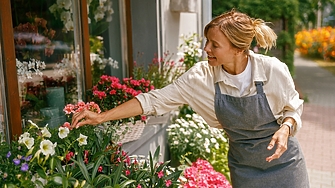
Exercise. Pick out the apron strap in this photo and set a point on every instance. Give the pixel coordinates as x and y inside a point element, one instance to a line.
<point>217,88</point>
<point>259,87</point>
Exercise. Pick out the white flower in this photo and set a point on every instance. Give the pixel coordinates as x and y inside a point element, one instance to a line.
<point>199,135</point>
<point>217,145</point>
<point>22,136</point>
<point>213,140</point>
<point>69,25</point>
<point>63,132</point>
<point>28,142</point>
<point>45,132</point>
<point>82,140</point>
<point>176,142</point>
<point>33,124</point>
<point>47,147</point>
<point>204,131</point>
<point>65,16</point>
<point>66,4</point>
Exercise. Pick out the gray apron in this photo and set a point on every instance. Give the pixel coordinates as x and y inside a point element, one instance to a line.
<point>250,125</point>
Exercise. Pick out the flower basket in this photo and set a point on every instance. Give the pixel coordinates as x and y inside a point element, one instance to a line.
<point>130,131</point>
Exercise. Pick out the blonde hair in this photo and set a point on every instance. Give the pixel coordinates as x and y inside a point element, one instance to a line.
<point>240,30</point>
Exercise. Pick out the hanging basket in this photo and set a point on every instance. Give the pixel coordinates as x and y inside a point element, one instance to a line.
<point>133,131</point>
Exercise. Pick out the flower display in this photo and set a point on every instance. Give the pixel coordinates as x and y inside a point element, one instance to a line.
<point>316,42</point>
<point>161,71</point>
<point>202,174</point>
<point>110,92</point>
<point>192,138</point>
<point>83,157</point>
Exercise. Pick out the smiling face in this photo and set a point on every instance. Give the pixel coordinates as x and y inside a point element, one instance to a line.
<point>219,49</point>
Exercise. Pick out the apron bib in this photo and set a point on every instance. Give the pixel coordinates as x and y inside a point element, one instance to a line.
<point>250,125</point>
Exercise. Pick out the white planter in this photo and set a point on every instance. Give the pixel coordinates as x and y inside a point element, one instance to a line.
<point>183,5</point>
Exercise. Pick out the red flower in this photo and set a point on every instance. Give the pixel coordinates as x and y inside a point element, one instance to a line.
<point>68,156</point>
<point>127,172</point>
<point>168,183</point>
<point>100,169</point>
<point>160,174</point>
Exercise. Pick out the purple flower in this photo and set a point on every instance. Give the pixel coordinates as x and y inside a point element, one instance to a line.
<point>8,154</point>
<point>16,161</point>
<point>27,158</point>
<point>24,167</point>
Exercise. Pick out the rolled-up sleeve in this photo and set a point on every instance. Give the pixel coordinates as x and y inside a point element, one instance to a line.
<point>294,105</point>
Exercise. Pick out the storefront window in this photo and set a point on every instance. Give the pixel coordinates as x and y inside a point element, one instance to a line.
<point>3,129</point>
<point>47,58</point>
<point>105,38</point>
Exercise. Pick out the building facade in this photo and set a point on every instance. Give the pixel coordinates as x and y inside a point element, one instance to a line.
<point>52,51</point>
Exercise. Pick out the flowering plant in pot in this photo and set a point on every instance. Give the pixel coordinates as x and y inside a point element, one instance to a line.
<point>191,138</point>
<point>110,92</point>
<point>161,71</point>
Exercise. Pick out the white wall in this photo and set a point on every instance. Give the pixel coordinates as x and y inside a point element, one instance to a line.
<point>174,24</point>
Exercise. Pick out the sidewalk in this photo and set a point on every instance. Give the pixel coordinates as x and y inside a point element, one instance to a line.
<point>317,135</point>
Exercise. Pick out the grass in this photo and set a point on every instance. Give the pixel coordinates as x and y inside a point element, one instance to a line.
<point>330,66</point>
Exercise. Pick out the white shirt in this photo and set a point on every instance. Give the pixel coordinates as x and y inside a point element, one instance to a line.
<point>242,80</point>
<point>196,88</point>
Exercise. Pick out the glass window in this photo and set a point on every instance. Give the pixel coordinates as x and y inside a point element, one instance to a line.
<point>105,38</point>
<point>3,129</point>
<point>48,63</point>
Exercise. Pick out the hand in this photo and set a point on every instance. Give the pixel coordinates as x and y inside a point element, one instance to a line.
<point>85,117</point>
<point>280,138</point>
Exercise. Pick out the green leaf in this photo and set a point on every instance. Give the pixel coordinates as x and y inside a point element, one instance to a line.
<point>96,166</point>
<point>65,182</point>
<point>103,178</point>
<point>57,179</point>
<point>128,182</point>
<point>118,173</point>
<point>82,167</point>
<point>41,173</point>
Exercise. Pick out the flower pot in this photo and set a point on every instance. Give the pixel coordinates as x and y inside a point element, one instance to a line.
<point>161,119</point>
<point>183,5</point>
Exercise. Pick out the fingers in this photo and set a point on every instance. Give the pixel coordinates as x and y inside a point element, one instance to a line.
<point>280,140</point>
<point>76,119</point>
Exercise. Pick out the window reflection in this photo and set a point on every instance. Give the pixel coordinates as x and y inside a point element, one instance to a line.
<point>47,66</point>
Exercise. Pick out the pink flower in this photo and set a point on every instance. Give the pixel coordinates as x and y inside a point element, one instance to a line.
<point>168,183</point>
<point>202,174</point>
<point>139,186</point>
<point>160,174</point>
<point>100,169</point>
<point>67,125</point>
<point>68,109</point>
<point>127,172</point>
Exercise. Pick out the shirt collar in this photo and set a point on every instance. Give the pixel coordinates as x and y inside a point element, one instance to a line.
<point>257,69</point>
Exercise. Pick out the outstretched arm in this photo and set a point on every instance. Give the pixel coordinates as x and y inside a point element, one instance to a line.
<point>128,109</point>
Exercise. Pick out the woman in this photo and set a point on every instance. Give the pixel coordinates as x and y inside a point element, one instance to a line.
<point>251,96</point>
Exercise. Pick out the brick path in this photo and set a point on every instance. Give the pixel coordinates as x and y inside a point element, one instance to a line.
<point>317,136</point>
